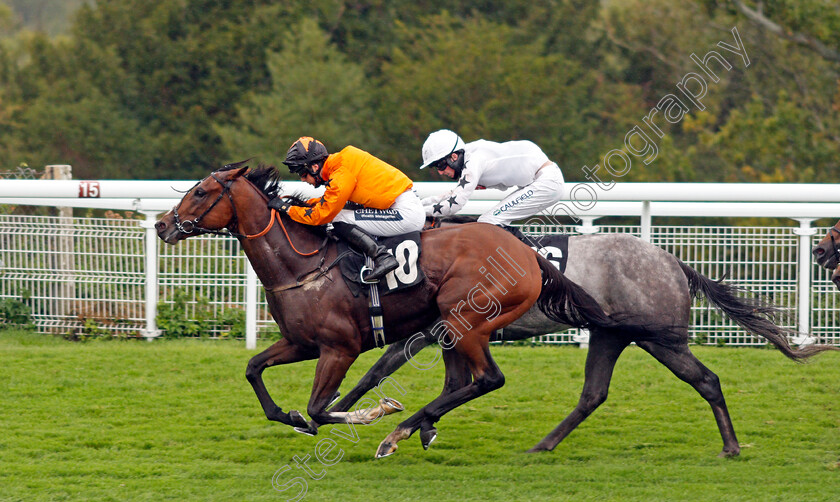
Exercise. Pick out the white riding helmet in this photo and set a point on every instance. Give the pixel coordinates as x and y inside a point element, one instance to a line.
<point>438,145</point>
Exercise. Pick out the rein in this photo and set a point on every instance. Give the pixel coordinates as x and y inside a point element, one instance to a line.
<point>192,226</point>
<point>195,228</point>
<point>276,215</point>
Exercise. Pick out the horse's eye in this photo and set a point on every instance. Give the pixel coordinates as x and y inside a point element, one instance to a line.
<point>200,192</point>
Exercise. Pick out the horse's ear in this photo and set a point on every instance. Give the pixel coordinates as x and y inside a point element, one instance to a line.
<point>241,168</point>
<point>237,165</point>
<point>239,172</point>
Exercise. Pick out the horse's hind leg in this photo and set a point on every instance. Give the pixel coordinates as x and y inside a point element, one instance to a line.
<point>689,369</point>
<point>486,377</point>
<point>457,377</point>
<point>604,349</point>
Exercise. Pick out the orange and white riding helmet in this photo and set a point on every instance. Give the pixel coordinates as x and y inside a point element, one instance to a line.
<point>304,152</point>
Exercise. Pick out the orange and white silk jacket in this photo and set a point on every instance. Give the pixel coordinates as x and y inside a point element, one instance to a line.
<point>357,176</point>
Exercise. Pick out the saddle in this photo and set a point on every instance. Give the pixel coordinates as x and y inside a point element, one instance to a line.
<point>405,248</point>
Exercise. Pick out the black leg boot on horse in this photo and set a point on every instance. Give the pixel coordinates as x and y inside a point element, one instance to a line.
<point>383,261</point>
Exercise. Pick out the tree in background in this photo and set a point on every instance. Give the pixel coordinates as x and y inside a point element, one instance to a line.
<point>186,65</point>
<point>471,76</point>
<point>813,24</point>
<point>776,120</point>
<point>6,20</point>
<point>48,16</point>
<point>137,86</point>
<point>162,89</point>
<point>315,91</point>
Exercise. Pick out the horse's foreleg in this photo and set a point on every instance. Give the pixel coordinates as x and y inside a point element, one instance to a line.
<point>393,358</point>
<point>604,350</point>
<point>689,369</point>
<point>330,371</point>
<point>282,352</point>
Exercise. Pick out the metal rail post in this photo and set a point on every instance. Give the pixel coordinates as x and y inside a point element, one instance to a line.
<point>646,221</point>
<point>250,306</point>
<point>586,225</point>
<point>805,232</point>
<point>151,239</point>
<point>65,263</point>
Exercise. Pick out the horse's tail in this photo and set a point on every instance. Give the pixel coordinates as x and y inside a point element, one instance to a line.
<point>751,313</point>
<point>564,302</point>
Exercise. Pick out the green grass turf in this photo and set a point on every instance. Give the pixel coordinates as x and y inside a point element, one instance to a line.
<point>176,420</point>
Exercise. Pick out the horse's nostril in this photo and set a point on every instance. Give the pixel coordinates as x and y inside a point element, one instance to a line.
<point>818,252</point>
<point>160,226</point>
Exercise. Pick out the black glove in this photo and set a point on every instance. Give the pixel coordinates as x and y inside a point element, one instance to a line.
<point>280,204</point>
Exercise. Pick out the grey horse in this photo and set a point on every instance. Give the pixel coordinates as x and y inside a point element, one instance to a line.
<point>628,276</point>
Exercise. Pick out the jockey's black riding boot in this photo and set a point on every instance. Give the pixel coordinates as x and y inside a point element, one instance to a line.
<point>383,261</point>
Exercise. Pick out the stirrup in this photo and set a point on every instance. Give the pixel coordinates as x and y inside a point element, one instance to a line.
<point>365,268</point>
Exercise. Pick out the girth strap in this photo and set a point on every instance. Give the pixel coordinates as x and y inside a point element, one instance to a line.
<point>312,275</point>
<point>375,308</point>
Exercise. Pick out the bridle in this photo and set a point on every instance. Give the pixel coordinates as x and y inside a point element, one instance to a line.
<point>834,247</point>
<point>192,226</point>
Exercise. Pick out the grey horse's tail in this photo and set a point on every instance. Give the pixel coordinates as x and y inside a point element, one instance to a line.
<point>563,301</point>
<point>751,313</point>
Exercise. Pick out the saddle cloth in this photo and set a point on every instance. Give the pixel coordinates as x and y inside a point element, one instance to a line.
<point>553,247</point>
<point>406,248</point>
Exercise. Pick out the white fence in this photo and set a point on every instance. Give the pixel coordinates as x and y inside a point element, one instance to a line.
<point>96,274</point>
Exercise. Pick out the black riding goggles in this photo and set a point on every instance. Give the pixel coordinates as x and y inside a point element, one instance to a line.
<point>441,164</point>
<point>299,169</point>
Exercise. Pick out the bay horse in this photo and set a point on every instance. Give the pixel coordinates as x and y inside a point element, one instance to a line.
<point>626,274</point>
<point>320,318</point>
<point>827,253</point>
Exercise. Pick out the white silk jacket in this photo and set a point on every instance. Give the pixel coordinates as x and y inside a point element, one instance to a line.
<point>488,164</point>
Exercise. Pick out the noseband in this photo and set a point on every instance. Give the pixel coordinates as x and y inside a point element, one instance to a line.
<point>192,226</point>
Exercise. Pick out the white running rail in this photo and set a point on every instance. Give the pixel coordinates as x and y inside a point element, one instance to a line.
<point>124,279</point>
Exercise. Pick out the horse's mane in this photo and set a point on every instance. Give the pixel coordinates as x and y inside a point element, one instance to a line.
<point>267,179</point>
<point>458,218</point>
<point>295,199</point>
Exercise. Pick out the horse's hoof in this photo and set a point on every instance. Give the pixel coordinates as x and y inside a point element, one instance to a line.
<point>427,436</point>
<point>385,449</point>
<point>729,454</point>
<point>309,431</point>
<point>298,420</point>
<point>389,445</point>
<point>538,448</point>
<point>389,405</point>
